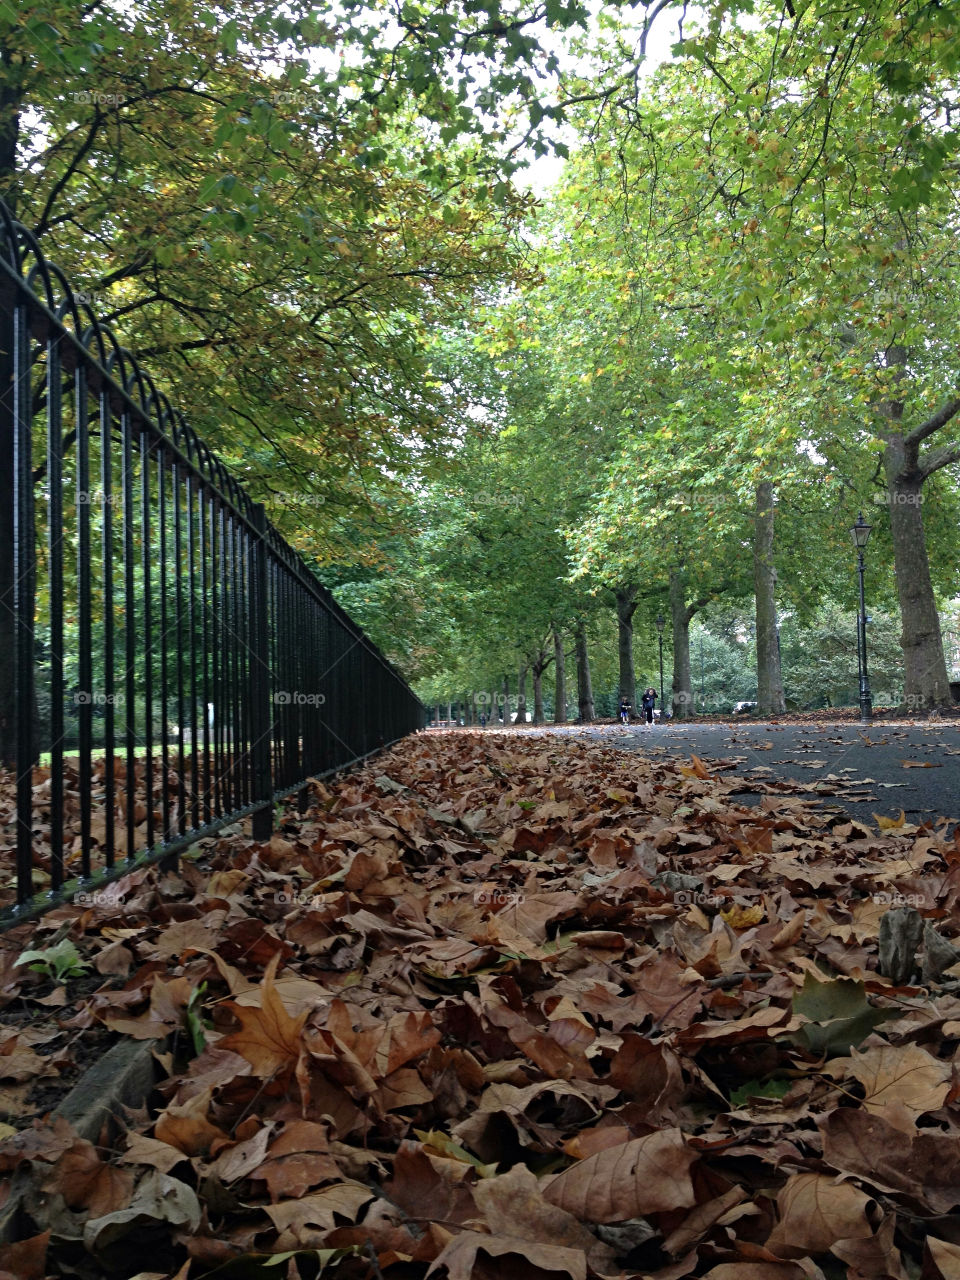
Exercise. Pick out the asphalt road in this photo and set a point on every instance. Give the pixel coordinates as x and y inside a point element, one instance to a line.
<point>878,770</point>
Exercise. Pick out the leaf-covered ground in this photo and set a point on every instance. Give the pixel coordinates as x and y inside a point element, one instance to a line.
<point>510,1006</point>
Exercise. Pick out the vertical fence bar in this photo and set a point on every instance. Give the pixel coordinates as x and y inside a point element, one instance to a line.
<point>146,565</point>
<point>176,481</point>
<point>192,651</point>
<point>260,678</point>
<point>245,624</point>
<point>129,629</point>
<point>163,548</point>
<point>106,554</point>
<point>216,644</point>
<point>24,561</point>
<point>84,616</point>
<point>226,683</point>
<point>55,533</point>
<point>206,550</point>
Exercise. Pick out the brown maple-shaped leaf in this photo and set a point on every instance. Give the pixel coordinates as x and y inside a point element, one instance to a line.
<point>269,1038</point>
<point>897,1077</point>
<point>25,1259</point>
<point>298,1160</point>
<point>941,1260</point>
<point>757,1271</point>
<point>460,1260</point>
<point>647,1175</point>
<point>513,1205</point>
<point>86,1182</point>
<point>298,1220</point>
<point>188,1127</point>
<point>816,1213</point>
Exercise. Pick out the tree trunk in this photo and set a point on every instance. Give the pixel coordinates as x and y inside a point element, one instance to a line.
<point>537,693</point>
<point>506,701</point>
<point>449,714</point>
<point>560,683</point>
<point>926,683</point>
<point>584,684</point>
<point>522,696</point>
<point>680,615</point>
<point>770,699</point>
<point>11,98</point>
<point>626,598</point>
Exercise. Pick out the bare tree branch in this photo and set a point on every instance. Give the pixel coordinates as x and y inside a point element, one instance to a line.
<point>933,424</point>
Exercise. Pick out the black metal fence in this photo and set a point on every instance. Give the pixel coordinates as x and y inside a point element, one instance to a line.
<point>168,663</point>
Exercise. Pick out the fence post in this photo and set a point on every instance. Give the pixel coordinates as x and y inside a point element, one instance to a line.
<point>18,577</point>
<point>8,527</point>
<point>261,718</point>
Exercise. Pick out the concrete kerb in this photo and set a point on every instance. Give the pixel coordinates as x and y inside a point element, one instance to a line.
<point>125,1076</point>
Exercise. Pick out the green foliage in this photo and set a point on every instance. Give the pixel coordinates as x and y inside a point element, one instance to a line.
<point>60,962</point>
<point>196,1024</point>
<point>756,1089</point>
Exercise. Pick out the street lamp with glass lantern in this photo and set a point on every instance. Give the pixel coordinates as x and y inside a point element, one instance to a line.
<point>860,532</point>
<point>661,623</point>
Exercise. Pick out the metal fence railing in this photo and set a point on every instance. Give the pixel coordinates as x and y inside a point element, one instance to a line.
<point>168,663</point>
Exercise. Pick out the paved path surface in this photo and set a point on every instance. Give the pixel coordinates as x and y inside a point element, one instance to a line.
<point>882,769</point>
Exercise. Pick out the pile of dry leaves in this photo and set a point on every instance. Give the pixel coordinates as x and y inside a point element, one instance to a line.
<point>503,1006</point>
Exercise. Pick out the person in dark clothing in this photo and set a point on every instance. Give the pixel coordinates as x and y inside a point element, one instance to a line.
<point>647,703</point>
<point>626,710</point>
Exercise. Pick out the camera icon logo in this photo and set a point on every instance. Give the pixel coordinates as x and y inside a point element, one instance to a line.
<point>683,898</point>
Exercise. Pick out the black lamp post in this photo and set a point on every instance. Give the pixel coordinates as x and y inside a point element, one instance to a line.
<point>661,623</point>
<point>860,533</point>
